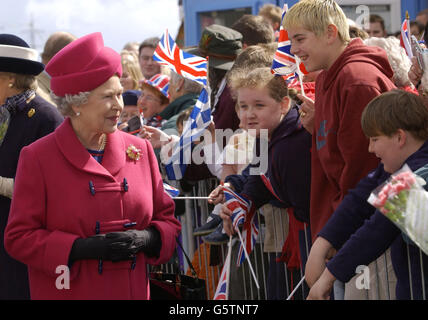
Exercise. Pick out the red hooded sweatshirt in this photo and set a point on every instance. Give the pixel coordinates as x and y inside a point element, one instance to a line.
<point>340,156</point>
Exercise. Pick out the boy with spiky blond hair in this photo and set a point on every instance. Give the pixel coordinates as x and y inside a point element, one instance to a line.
<point>352,75</point>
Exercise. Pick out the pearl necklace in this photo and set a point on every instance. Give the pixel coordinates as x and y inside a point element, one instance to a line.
<point>103,142</point>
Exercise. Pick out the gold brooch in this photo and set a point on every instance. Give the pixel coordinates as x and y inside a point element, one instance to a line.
<point>31,112</point>
<point>133,153</point>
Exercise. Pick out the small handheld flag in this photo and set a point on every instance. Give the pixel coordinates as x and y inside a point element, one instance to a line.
<point>199,120</point>
<point>222,291</point>
<point>185,64</point>
<point>284,62</point>
<point>405,36</point>
<point>170,190</point>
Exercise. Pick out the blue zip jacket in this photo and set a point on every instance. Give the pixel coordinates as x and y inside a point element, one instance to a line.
<point>363,233</point>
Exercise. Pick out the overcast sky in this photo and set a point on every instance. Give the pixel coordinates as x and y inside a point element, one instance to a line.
<point>120,21</point>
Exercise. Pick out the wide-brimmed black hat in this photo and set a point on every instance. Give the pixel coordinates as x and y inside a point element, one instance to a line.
<point>16,56</point>
<point>221,44</point>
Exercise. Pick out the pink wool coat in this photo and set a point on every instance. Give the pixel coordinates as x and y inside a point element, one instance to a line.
<point>53,205</point>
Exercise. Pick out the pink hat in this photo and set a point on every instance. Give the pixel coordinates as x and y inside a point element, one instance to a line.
<point>83,65</point>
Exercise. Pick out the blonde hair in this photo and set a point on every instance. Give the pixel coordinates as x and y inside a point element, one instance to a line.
<point>259,78</point>
<point>22,81</point>
<point>256,56</point>
<point>131,65</point>
<point>271,12</point>
<point>316,16</point>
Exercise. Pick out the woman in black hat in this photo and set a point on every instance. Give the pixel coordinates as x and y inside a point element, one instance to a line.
<point>24,118</point>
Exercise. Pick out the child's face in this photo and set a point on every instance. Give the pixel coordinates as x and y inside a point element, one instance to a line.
<point>258,110</point>
<point>310,48</point>
<point>388,150</point>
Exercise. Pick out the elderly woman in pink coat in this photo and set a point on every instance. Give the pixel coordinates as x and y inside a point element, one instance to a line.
<point>88,198</point>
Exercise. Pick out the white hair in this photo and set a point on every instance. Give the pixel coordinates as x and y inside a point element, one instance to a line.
<point>64,103</point>
<point>397,57</point>
<point>189,86</point>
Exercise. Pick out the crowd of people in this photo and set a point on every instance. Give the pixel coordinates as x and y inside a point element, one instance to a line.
<point>86,133</point>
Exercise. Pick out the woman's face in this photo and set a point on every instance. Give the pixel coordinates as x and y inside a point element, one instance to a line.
<point>150,103</point>
<point>4,87</point>
<point>128,113</point>
<point>126,80</point>
<point>102,111</point>
<point>257,110</point>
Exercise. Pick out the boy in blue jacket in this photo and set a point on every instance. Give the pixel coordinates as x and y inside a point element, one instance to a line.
<point>396,124</point>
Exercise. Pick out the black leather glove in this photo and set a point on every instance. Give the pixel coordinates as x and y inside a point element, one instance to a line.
<point>148,240</point>
<point>112,246</point>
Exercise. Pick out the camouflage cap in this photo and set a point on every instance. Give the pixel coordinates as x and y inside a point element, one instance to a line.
<point>221,44</point>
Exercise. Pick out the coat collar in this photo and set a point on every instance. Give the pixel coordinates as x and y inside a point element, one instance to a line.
<point>114,155</point>
<point>179,104</point>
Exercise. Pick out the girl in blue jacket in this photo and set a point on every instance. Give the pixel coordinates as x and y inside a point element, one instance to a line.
<point>263,105</point>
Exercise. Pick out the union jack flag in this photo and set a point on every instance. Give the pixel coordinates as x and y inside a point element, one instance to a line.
<point>199,120</point>
<point>284,62</point>
<point>221,291</point>
<point>243,212</point>
<point>185,64</point>
<point>170,190</point>
<point>405,38</point>
<point>238,205</point>
<point>250,232</point>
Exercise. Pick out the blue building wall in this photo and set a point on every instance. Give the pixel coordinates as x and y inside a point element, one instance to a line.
<point>413,7</point>
<point>192,32</point>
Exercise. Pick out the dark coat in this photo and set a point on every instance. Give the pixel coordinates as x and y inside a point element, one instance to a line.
<point>373,233</point>
<point>23,130</point>
<point>289,169</point>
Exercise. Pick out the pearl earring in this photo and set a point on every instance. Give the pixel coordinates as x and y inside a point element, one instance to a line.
<point>10,85</point>
<point>77,114</point>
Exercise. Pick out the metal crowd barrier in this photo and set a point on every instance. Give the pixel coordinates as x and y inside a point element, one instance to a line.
<point>242,286</point>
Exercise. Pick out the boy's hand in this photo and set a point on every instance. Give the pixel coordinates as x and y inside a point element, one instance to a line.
<point>307,113</point>
<point>216,196</point>
<point>320,253</point>
<point>322,288</point>
<point>225,214</point>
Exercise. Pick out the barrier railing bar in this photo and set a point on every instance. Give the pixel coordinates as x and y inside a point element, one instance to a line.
<point>422,275</point>
<point>385,259</point>
<point>410,271</point>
